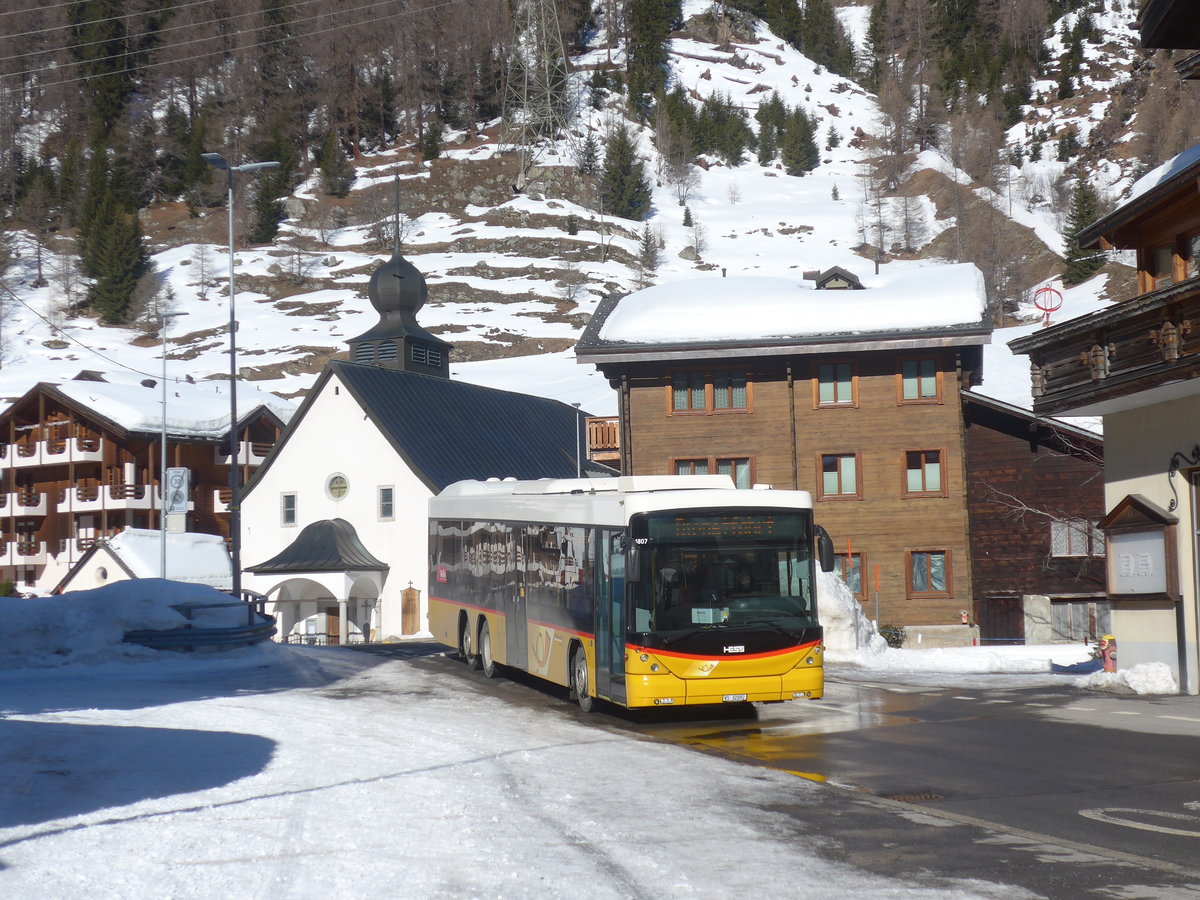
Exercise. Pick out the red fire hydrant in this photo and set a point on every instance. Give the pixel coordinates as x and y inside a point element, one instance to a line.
<point>1107,648</point>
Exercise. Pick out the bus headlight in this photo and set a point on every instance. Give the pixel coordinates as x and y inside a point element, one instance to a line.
<point>645,657</point>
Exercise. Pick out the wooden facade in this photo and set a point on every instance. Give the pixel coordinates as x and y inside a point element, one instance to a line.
<point>1035,495</point>
<point>69,476</point>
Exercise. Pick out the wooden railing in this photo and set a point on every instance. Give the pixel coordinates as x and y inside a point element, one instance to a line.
<point>603,434</point>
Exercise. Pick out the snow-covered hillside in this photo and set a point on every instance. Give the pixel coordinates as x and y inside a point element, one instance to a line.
<point>513,278</point>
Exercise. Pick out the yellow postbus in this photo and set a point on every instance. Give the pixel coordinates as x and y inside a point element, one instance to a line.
<point>642,591</point>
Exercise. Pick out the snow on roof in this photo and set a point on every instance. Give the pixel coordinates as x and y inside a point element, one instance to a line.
<point>198,409</point>
<point>1162,174</point>
<point>191,558</point>
<point>752,307</point>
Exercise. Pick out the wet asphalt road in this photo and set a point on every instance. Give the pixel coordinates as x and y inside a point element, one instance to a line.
<point>1063,793</point>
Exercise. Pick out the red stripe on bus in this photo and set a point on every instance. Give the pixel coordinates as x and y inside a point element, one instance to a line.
<point>798,648</point>
<point>483,609</point>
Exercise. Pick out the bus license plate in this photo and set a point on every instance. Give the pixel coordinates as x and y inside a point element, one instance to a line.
<point>733,698</point>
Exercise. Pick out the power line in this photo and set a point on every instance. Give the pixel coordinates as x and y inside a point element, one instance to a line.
<point>117,18</point>
<point>75,340</point>
<point>403,13</point>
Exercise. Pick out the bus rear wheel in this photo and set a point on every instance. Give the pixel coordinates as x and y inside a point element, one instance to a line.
<point>490,667</point>
<point>466,644</point>
<point>579,680</point>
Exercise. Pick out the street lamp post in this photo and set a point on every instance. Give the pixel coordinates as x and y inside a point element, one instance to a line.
<point>162,475</point>
<point>217,161</point>
<point>578,451</point>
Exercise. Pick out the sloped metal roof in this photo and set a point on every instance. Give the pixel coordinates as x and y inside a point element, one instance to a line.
<point>448,430</point>
<point>329,545</point>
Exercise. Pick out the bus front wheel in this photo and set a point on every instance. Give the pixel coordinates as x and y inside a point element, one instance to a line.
<point>579,680</point>
<point>490,667</point>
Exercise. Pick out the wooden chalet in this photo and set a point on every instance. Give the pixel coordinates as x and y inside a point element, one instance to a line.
<point>1136,364</point>
<point>1035,498</point>
<point>81,460</point>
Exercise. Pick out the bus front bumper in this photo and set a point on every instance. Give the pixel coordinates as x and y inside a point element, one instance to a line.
<point>665,689</point>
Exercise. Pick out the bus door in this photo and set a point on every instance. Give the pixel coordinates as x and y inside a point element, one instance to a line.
<point>513,592</point>
<point>610,617</point>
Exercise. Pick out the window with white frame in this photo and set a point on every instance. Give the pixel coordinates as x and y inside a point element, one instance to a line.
<point>287,509</point>
<point>387,503</point>
<point>1076,537</point>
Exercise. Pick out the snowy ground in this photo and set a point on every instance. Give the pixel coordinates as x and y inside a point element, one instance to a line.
<point>304,772</point>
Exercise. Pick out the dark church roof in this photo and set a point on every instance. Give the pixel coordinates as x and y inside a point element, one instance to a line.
<point>330,545</point>
<point>448,431</point>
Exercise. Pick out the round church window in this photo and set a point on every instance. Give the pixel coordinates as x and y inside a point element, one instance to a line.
<point>337,487</point>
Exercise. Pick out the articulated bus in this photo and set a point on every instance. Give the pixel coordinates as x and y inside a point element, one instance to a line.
<point>643,591</point>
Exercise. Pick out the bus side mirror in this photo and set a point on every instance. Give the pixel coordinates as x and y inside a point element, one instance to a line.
<point>633,571</point>
<point>825,550</point>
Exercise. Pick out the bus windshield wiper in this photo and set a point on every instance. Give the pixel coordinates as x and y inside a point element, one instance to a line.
<point>769,623</point>
<point>691,632</point>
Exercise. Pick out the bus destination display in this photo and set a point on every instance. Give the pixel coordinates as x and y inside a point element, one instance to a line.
<point>681,528</point>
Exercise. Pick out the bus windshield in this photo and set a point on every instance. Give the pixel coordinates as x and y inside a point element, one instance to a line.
<point>702,571</point>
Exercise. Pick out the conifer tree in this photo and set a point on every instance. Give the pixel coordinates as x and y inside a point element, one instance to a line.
<point>336,172</point>
<point>272,185</point>
<point>878,44</point>
<point>120,262</point>
<point>649,24</point>
<point>588,156</point>
<point>624,188</point>
<point>1085,209</point>
<point>797,147</point>
<point>97,208</point>
<point>768,145</point>
<point>68,182</point>
<point>824,40</point>
<point>648,257</point>
<point>268,212</point>
<point>431,140</point>
<point>98,42</point>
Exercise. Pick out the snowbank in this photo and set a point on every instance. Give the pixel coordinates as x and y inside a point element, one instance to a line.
<point>1147,678</point>
<point>87,626</point>
<point>852,640</point>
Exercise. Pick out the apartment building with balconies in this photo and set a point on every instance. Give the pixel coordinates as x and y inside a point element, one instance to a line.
<point>81,460</point>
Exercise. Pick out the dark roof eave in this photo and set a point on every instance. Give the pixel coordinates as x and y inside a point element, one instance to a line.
<point>1163,24</point>
<point>1123,215</point>
<point>1033,418</point>
<point>602,351</point>
<point>1103,317</point>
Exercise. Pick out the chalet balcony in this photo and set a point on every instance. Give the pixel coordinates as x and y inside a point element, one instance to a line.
<point>77,545</point>
<point>1130,354</point>
<point>604,440</point>
<point>221,498</point>
<point>249,454</point>
<point>23,503</point>
<point>108,496</point>
<point>52,453</point>
<point>23,553</point>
